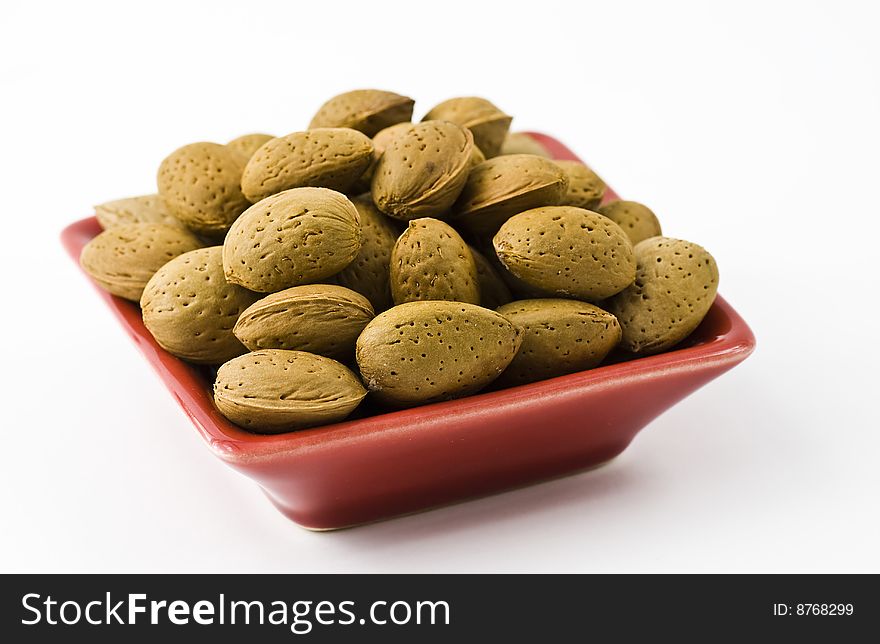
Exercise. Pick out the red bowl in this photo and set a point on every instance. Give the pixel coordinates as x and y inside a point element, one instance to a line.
<point>376,467</point>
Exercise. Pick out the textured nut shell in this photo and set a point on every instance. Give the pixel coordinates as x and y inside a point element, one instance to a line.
<point>190,309</point>
<point>380,142</point>
<point>422,170</point>
<point>275,390</point>
<point>368,274</point>
<point>487,123</point>
<point>295,237</point>
<point>319,318</point>
<point>421,352</point>
<point>144,209</point>
<point>201,186</point>
<point>430,261</point>
<point>493,290</point>
<point>585,188</point>
<point>365,110</point>
<point>637,221</point>
<point>247,144</point>
<point>567,251</point>
<point>559,337</point>
<point>507,185</point>
<point>123,259</point>
<point>522,143</point>
<point>325,158</point>
<point>675,286</point>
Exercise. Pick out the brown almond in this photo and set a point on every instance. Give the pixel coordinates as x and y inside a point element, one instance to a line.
<point>201,186</point>
<point>122,259</point>
<point>637,220</point>
<point>422,170</point>
<point>144,209</point>
<point>331,158</point>
<point>567,251</point>
<point>487,123</point>
<point>190,308</point>
<point>299,236</point>
<point>523,143</point>
<point>585,188</point>
<point>504,186</point>
<point>430,261</point>
<point>319,318</point>
<point>365,110</point>
<point>368,273</point>
<point>422,352</point>
<point>675,286</point>
<point>275,390</point>
<point>247,144</point>
<point>559,337</point>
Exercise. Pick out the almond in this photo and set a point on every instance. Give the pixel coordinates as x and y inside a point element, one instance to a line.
<point>523,143</point>
<point>368,274</point>
<point>422,352</point>
<point>637,221</point>
<point>365,110</point>
<point>326,158</point>
<point>675,286</point>
<point>559,337</point>
<point>504,186</point>
<point>585,188</point>
<point>487,123</point>
<point>430,261</point>
<point>319,318</point>
<point>299,236</point>
<point>201,186</point>
<point>422,170</point>
<point>276,390</point>
<point>567,251</point>
<point>247,144</point>
<point>123,259</point>
<point>190,308</point>
<point>145,209</point>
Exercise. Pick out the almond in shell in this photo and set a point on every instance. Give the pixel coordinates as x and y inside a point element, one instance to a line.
<point>504,186</point>
<point>675,286</point>
<point>567,251</point>
<point>201,186</point>
<point>522,143</point>
<point>637,220</point>
<point>277,390</point>
<point>430,261</point>
<point>144,209</point>
<point>325,157</point>
<point>559,337</point>
<point>422,352</point>
<point>422,170</point>
<point>585,188</point>
<point>247,144</point>
<point>191,310</point>
<point>325,319</point>
<point>365,110</point>
<point>299,236</point>
<point>123,259</point>
<point>488,124</point>
<point>368,273</point>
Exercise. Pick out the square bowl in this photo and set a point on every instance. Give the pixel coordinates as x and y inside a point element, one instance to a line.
<point>374,467</point>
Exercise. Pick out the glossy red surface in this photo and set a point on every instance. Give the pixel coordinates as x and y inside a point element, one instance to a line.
<point>374,467</point>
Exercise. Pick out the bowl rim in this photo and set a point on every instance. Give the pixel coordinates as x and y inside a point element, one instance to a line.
<point>238,446</point>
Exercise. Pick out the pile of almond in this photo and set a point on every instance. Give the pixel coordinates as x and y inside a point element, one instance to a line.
<point>416,262</point>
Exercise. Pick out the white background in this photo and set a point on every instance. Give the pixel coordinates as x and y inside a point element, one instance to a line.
<point>752,130</point>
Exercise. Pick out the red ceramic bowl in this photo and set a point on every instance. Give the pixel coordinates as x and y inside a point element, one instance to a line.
<point>375,467</point>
